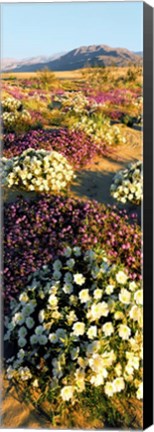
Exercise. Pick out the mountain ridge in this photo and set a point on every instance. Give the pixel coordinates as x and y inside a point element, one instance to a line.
<point>91,55</point>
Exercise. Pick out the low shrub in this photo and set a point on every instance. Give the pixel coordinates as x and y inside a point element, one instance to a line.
<point>36,232</point>
<point>38,170</point>
<point>76,146</point>
<point>128,184</point>
<point>14,117</point>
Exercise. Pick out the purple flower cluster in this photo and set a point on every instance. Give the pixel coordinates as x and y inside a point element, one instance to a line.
<point>76,146</point>
<point>35,232</point>
<point>117,97</point>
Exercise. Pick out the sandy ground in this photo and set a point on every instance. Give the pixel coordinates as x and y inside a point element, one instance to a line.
<point>94,183</point>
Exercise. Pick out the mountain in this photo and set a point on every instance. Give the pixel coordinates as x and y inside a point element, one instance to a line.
<point>93,55</point>
<point>8,64</point>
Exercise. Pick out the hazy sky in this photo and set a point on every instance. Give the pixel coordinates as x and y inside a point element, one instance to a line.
<point>44,29</point>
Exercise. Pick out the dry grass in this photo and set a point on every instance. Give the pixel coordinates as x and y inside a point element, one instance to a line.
<point>76,74</point>
<point>68,75</point>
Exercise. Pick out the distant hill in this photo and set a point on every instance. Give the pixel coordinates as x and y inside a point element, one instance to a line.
<point>9,64</point>
<point>140,53</point>
<point>93,55</point>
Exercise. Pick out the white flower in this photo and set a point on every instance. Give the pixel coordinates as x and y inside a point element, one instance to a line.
<point>119,384</point>
<point>118,315</point>
<point>10,372</point>
<point>92,332</point>
<point>22,332</point>
<point>42,340</point>
<point>41,315</point>
<point>71,317</point>
<point>98,294</point>
<point>53,338</point>
<point>39,330</point>
<point>129,369</point>
<point>134,313</point>
<point>79,279</point>
<point>97,380</point>
<point>124,331</point>
<point>23,298</point>
<point>124,296</point>
<point>30,322</point>
<point>35,383</point>
<point>34,339</point>
<point>84,296</point>
<point>22,342</point>
<point>52,300</point>
<point>18,319</point>
<point>98,310</point>
<point>97,364</point>
<point>138,297</point>
<point>108,328</point>
<point>25,373</point>
<point>68,288</point>
<point>109,289</point>
<point>132,286</point>
<point>109,388</point>
<point>139,393</point>
<point>121,277</point>
<point>78,328</point>
<point>118,369</point>
<point>67,392</point>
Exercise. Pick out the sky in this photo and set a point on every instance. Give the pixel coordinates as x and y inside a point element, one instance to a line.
<point>34,29</point>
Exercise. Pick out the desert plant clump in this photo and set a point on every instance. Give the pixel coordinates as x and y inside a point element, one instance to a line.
<point>14,116</point>
<point>37,231</point>
<point>37,170</point>
<point>128,184</point>
<point>78,324</point>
